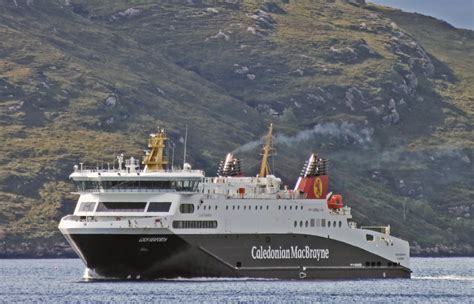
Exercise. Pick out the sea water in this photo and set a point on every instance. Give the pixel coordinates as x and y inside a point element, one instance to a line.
<point>434,280</point>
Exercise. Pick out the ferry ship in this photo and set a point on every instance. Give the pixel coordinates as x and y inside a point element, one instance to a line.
<point>158,223</point>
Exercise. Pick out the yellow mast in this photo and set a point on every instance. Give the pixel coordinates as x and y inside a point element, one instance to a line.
<point>266,152</point>
<point>155,159</point>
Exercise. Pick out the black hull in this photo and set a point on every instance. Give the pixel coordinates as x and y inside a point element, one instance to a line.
<point>150,257</point>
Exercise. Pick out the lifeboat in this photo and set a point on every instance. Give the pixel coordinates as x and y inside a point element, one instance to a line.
<point>335,202</point>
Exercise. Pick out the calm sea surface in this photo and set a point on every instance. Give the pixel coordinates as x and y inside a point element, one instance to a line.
<point>434,280</point>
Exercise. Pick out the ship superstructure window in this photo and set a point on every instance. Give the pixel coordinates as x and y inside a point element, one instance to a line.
<point>323,222</point>
<point>87,207</point>
<point>121,207</point>
<point>159,206</point>
<point>86,185</point>
<point>118,185</point>
<point>194,224</point>
<point>369,237</point>
<point>186,208</point>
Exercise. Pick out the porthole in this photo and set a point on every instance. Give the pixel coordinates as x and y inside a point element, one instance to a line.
<point>216,207</point>
<point>245,207</point>
<point>267,207</point>
<point>285,207</point>
<point>233,207</point>
<point>290,207</point>
<point>279,207</point>
<point>301,223</point>
<point>329,223</point>
<point>261,207</point>
<point>238,207</point>
<point>306,224</point>
<point>226,207</point>
<point>340,224</point>
<point>296,223</point>
<point>334,224</point>
<point>256,207</point>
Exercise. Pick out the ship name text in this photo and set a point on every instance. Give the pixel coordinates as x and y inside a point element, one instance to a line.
<point>294,252</point>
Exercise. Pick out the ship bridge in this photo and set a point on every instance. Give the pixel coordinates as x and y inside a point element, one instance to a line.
<point>128,177</point>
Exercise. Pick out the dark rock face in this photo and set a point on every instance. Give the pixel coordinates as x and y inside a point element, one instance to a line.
<point>356,2</point>
<point>271,7</point>
<point>356,52</point>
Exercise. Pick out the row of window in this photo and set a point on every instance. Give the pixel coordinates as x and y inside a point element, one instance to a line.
<point>244,207</point>
<point>195,224</point>
<point>125,207</point>
<point>379,264</point>
<point>178,185</point>
<point>290,207</point>
<point>318,223</point>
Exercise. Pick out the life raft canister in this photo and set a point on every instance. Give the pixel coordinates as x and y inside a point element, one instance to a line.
<point>335,202</point>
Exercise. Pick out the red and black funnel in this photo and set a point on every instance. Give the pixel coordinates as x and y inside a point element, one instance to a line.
<point>313,180</point>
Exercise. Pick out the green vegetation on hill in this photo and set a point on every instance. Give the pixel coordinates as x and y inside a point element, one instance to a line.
<point>386,95</point>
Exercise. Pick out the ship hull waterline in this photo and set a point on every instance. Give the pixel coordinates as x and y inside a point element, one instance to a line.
<point>170,256</point>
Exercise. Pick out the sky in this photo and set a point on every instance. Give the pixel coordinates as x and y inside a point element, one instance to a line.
<point>458,13</point>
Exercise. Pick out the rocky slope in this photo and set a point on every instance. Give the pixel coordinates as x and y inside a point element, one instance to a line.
<point>386,95</point>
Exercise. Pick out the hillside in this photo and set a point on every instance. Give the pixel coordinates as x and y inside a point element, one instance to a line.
<point>386,95</point>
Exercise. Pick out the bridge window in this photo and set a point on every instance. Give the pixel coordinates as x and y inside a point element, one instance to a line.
<point>87,207</point>
<point>161,207</point>
<point>121,207</point>
<point>186,208</point>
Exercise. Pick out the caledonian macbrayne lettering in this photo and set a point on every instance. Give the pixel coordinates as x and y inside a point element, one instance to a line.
<point>294,252</point>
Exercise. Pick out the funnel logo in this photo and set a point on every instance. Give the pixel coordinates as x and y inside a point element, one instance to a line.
<point>318,187</point>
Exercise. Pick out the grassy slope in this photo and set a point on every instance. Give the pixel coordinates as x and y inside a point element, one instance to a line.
<point>57,67</point>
